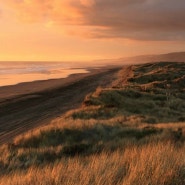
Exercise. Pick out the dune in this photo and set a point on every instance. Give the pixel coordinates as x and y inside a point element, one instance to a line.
<point>129,130</point>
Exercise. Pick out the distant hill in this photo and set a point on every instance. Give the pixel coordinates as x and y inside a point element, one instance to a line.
<point>170,57</point>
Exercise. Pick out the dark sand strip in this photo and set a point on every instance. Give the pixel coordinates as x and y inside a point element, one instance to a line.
<point>28,105</point>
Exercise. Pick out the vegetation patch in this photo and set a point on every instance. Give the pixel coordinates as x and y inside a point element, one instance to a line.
<point>159,102</point>
<point>127,134</point>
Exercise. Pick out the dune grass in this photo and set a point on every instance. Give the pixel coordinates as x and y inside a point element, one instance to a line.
<point>128,135</point>
<point>154,164</point>
<point>155,91</point>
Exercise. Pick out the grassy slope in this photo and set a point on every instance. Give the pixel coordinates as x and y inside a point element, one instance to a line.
<point>130,133</point>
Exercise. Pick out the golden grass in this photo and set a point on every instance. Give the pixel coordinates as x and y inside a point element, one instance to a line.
<point>154,164</point>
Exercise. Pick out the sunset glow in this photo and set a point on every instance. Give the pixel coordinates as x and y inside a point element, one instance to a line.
<point>55,30</point>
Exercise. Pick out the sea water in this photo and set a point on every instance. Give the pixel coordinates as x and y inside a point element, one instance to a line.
<point>12,73</point>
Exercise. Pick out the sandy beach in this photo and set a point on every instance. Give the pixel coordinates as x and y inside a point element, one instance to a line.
<point>28,105</point>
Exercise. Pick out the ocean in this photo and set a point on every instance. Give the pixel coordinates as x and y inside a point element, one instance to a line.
<point>12,73</point>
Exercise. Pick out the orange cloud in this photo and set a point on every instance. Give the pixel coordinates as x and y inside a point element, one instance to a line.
<point>63,12</point>
<point>0,12</point>
<point>88,3</point>
<point>135,19</point>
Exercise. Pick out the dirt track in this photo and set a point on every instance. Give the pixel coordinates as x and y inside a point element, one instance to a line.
<point>21,113</point>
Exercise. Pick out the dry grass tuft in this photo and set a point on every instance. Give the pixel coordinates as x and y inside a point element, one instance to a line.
<point>161,163</point>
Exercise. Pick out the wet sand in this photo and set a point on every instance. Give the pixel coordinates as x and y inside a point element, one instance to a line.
<point>28,105</point>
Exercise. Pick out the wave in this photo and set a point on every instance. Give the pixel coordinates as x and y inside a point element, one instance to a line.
<point>17,72</point>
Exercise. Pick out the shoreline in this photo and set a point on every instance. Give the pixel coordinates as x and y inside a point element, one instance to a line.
<point>10,91</point>
<point>16,78</point>
<point>28,105</point>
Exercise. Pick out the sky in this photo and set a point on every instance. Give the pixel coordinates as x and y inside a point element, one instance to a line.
<point>84,30</point>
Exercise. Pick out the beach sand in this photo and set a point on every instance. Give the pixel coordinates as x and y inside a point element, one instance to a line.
<point>28,105</point>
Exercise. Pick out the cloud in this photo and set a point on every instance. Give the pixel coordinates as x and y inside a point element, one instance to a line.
<point>0,12</point>
<point>88,3</point>
<point>134,19</point>
<point>61,12</point>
